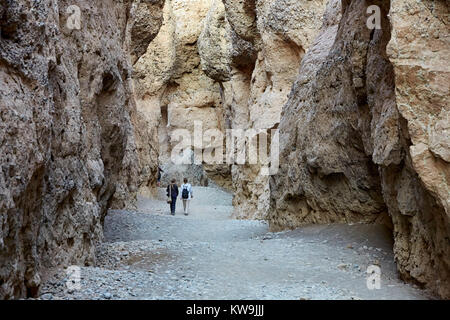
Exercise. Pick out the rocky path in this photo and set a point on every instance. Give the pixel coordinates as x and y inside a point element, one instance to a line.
<point>149,254</point>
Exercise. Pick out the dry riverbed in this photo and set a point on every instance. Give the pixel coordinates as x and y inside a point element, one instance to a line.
<point>148,254</point>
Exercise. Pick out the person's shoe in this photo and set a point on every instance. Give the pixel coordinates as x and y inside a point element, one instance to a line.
<point>186,214</point>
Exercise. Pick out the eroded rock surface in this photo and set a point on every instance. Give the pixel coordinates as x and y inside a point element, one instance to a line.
<point>363,133</point>
<point>266,43</point>
<point>172,89</point>
<point>363,116</point>
<point>67,147</point>
<point>326,175</point>
<point>417,190</point>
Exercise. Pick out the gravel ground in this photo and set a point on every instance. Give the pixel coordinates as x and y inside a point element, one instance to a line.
<point>149,254</point>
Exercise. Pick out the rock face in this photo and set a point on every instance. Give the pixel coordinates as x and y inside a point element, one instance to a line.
<point>363,115</point>
<point>147,20</point>
<point>266,41</point>
<point>172,89</point>
<point>67,146</point>
<point>417,189</point>
<point>364,133</point>
<point>326,175</point>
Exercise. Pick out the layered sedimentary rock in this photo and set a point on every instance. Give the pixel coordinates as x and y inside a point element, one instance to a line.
<point>67,147</point>
<point>364,132</point>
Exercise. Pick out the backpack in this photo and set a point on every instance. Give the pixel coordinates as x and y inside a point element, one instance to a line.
<point>185,193</point>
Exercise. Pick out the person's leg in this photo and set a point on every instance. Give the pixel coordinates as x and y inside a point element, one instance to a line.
<point>172,206</point>
<point>184,205</point>
<point>174,202</point>
<point>186,212</point>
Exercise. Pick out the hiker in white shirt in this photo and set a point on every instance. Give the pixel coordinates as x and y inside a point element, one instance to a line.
<point>186,195</point>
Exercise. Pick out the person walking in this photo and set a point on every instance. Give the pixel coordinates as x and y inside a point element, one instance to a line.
<point>172,195</point>
<point>186,195</point>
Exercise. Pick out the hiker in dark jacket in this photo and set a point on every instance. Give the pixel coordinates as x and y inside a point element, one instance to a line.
<point>172,194</point>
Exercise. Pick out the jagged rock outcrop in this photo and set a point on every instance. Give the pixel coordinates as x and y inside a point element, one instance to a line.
<point>261,45</point>
<point>173,91</point>
<point>215,45</point>
<point>417,189</point>
<point>363,116</point>
<point>147,20</point>
<point>326,175</point>
<point>358,133</point>
<point>67,147</point>
<point>242,17</point>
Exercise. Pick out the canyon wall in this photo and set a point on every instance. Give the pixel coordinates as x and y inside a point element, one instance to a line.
<point>364,135</point>
<point>67,142</point>
<point>87,114</point>
<point>173,91</point>
<point>326,173</point>
<point>417,190</point>
<point>364,128</point>
<point>254,48</point>
<point>362,112</point>
<point>219,63</point>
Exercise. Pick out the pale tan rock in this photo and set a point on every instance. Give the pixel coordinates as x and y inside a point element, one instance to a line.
<point>280,31</point>
<point>215,44</point>
<point>242,18</point>
<point>172,88</point>
<point>154,68</point>
<point>189,17</point>
<point>419,49</point>
<point>361,135</point>
<point>152,72</point>
<point>439,144</point>
<point>147,22</point>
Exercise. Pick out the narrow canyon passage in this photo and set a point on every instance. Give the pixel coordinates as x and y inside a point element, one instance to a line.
<point>326,117</point>
<point>148,254</point>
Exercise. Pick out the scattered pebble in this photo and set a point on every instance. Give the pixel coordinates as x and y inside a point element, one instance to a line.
<point>147,255</point>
